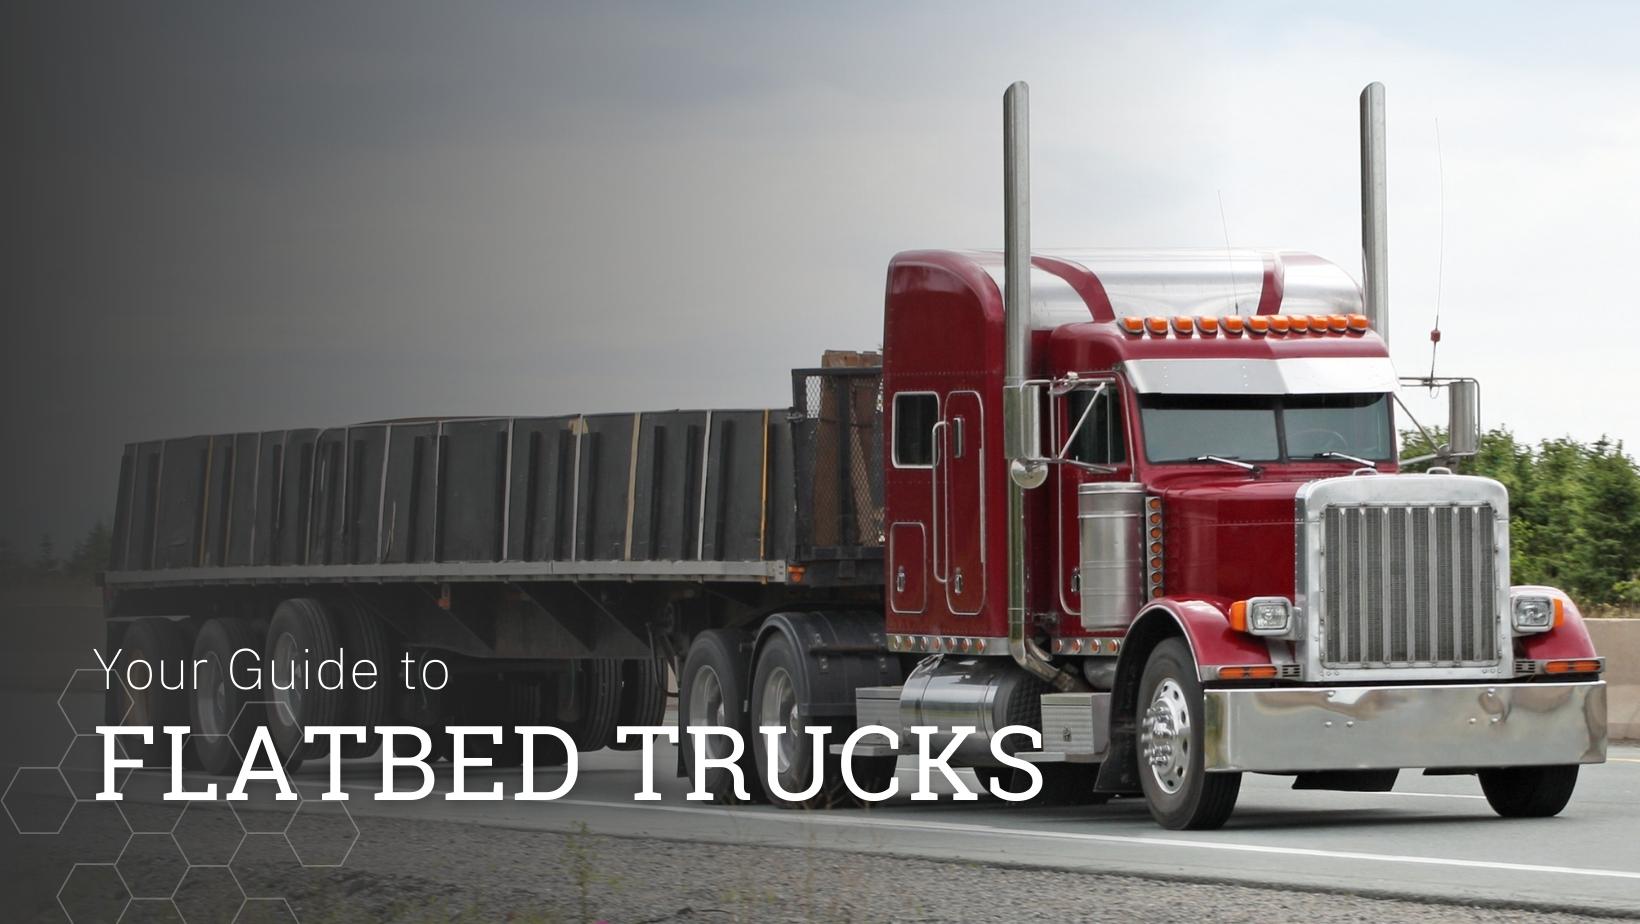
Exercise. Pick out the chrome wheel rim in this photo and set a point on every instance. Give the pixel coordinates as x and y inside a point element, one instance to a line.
<point>213,697</point>
<point>285,652</point>
<point>708,707</point>
<point>779,708</point>
<point>1164,736</point>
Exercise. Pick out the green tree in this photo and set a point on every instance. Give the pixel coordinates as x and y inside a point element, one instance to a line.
<point>45,560</point>
<point>1608,524</point>
<point>91,554</point>
<point>1574,511</point>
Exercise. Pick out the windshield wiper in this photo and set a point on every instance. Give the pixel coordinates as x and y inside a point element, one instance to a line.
<point>1249,467</point>
<point>1329,454</point>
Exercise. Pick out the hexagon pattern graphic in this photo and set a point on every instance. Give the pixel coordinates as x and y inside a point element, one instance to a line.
<point>208,894</point>
<point>144,805</point>
<point>265,911</point>
<point>209,834</point>
<point>152,865</point>
<point>82,766</point>
<point>262,862</point>
<point>38,800</point>
<point>93,893</point>
<point>152,911</point>
<point>98,831</point>
<point>322,833</point>
<point>84,699</point>
<point>183,862</point>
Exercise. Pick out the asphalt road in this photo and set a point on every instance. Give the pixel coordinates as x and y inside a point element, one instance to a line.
<point>1432,838</point>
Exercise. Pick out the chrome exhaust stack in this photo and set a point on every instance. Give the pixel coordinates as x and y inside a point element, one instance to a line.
<point>1374,211</point>
<point>1021,402</point>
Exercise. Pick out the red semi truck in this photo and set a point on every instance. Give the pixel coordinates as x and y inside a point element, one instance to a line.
<point>1146,503</point>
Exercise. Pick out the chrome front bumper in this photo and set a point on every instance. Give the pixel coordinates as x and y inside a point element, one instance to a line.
<point>1378,728</point>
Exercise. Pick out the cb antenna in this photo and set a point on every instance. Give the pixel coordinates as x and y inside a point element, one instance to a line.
<point>1440,259</point>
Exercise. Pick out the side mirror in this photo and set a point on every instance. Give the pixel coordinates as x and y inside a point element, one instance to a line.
<point>1022,436</point>
<point>1463,418</point>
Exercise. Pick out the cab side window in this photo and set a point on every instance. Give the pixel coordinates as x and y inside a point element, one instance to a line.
<point>914,417</point>
<point>1102,439</point>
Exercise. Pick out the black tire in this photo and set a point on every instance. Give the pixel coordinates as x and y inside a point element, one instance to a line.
<point>1180,794</point>
<point>598,687</point>
<point>782,686</point>
<point>304,629</point>
<point>364,636</point>
<point>517,699</point>
<point>157,641</point>
<point>222,715</point>
<point>713,689</point>
<point>643,699</point>
<point>1529,792</point>
<point>429,710</point>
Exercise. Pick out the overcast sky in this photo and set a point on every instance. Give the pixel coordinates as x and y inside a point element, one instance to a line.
<point>227,216</point>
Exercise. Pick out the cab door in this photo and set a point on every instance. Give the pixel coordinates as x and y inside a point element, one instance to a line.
<point>1101,440</point>
<point>960,469</point>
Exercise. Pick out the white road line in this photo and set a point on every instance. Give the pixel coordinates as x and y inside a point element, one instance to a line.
<point>959,828</point>
<point>1424,795</point>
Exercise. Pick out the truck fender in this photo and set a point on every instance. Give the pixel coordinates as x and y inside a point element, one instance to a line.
<point>1206,629</point>
<point>1570,639</point>
<point>842,650</point>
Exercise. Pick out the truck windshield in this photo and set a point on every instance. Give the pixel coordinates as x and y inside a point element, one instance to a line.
<point>1257,428</point>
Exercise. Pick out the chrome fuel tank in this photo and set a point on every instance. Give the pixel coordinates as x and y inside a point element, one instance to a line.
<point>1111,518</point>
<point>988,694</point>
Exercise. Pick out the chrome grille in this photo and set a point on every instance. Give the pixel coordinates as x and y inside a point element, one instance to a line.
<point>1409,585</point>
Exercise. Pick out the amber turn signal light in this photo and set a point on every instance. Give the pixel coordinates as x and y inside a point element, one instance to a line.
<point>1250,672</point>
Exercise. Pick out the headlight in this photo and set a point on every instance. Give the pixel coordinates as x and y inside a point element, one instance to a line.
<point>1262,615</point>
<point>1533,613</point>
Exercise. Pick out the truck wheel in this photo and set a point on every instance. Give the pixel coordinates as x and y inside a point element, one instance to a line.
<point>1181,795</point>
<point>302,634</point>
<point>363,636</point>
<point>643,699</point>
<point>600,691</point>
<point>1529,792</point>
<point>156,641</point>
<point>222,725</point>
<point>781,696</point>
<point>712,692</point>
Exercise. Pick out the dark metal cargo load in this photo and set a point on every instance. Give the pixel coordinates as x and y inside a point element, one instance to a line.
<point>710,495</point>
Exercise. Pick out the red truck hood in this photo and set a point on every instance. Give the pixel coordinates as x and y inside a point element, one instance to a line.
<point>1229,538</point>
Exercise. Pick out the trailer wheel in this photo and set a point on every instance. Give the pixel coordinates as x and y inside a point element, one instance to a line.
<point>302,634</point>
<point>643,698</point>
<point>156,641</point>
<point>1181,795</point>
<point>430,711</point>
<point>599,689</point>
<point>518,699</point>
<point>363,636</point>
<point>711,691</point>
<point>781,696</point>
<point>222,729</point>
<point>1529,792</point>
